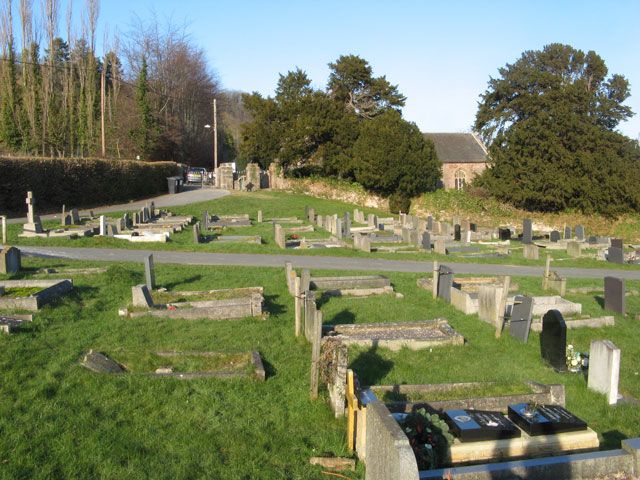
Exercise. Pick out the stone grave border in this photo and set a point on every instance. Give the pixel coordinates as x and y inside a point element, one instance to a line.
<point>51,290</point>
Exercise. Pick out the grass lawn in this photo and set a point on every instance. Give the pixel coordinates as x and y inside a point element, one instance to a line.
<point>59,420</point>
<point>281,204</point>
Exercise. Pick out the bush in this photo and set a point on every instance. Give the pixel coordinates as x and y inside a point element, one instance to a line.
<point>399,203</point>
<point>79,182</point>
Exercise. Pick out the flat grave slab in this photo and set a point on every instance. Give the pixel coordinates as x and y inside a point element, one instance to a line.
<point>9,324</point>
<point>355,281</point>
<point>31,295</point>
<point>394,336</point>
<point>544,419</point>
<point>476,425</point>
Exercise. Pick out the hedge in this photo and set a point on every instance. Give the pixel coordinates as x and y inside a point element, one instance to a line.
<point>79,182</point>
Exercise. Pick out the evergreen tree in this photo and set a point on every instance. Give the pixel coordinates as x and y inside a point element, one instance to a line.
<point>145,134</point>
<point>9,107</point>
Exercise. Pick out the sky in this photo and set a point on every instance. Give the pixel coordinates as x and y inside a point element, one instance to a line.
<point>440,54</point>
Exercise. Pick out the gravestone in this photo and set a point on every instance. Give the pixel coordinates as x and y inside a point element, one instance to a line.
<point>103,225</point>
<point>553,340</point>
<point>521,316</point>
<point>531,251</point>
<point>149,272</point>
<point>457,235</point>
<point>405,234</point>
<point>567,233</point>
<point>99,363</point>
<point>3,219</point>
<point>136,218</point>
<point>429,223</point>
<point>617,243</point>
<point>614,294</point>
<point>33,224</point>
<point>574,249</point>
<point>465,225</point>
<point>440,247</point>
<point>259,219</point>
<point>311,216</point>
<point>127,221</point>
<point>554,236</point>
<point>10,261</point>
<point>445,282</point>
<point>473,227</point>
<point>141,297</point>
<point>205,220</point>
<point>196,233</point>
<point>346,225</point>
<point>527,231</point>
<point>319,221</point>
<point>75,216</point>
<point>604,369</point>
<point>504,233</point>
<point>426,241</point>
<point>580,233</point>
<point>544,419</point>
<point>372,221</point>
<point>338,228</point>
<point>615,255</point>
<point>479,425</point>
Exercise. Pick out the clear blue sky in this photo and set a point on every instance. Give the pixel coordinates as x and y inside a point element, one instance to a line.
<point>441,54</point>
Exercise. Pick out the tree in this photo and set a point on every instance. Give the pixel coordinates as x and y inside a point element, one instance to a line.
<point>393,157</point>
<point>351,82</point>
<point>145,133</point>
<point>549,119</point>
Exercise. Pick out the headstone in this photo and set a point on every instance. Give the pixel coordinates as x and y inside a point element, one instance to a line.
<point>473,227</point>
<point>504,233</point>
<point>127,221</point>
<point>259,216</point>
<point>136,218</point>
<point>103,225</point>
<point>491,307</point>
<point>554,236</point>
<point>111,230</point>
<point>604,369</point>
<point>574,249</point>
<point>365,243</point>
<point>3,219</point>
<point>311,215</point>
<point>10,261</point>
<point>614,294</point>
<point>527,231</point>
<point>580,233</point>
<point>319,221</point>
<point>457,236</point>
<point>75,216</point>
<point>429,223</point>
<point>99,363</point>
<point>567,233</point>
<point>445,282</point>
<point>338,229</point>
<point>372,220</point>
<point>440,247</point>
<point>405,235</point>
<point>617,243</point>
<point>205,220</point>
<point>544,419</point>
<point>521,315</point>
<point>615,255</point>
<point>426,241</point>
<point>531,251</point>
<point>149,272</point>
<point>141,297</point>
<point>465,225</point>
<point>33,224</point>
<point>346,227</point>
<point>553,340</point>
<point>467,236</point>
<point>196,233</point>
<point>479,425</point>
<point>305,280</point>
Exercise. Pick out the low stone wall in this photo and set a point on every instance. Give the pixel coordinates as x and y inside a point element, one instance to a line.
<point>388,453</point>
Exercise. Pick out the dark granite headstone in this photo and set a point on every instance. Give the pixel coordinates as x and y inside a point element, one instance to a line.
<point>100,363</point>
<point>617,243</point>
<point>567,233</point>
<point>149,272</point>
<point>426,241</point>
<point>429,222</point>
<point>615,255</point>
<point>614,294</point>
<point>579,232</point>
<point>445,282</point>
<point>527,231</point>
<point>545,419</point>
<point>521,318</point>
<point>478,425</point>
<point>553,340</point>
<point>593,240</point>
<point>504,233</point>
<point>457,235</point>
<point>473,227</point>
<point>554,236</point>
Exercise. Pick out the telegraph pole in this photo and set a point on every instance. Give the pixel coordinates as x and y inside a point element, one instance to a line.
<point>215,136</point>
<point>102,105</point>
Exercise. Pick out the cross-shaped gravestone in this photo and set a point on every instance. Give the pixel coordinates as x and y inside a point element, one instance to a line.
<point>30,207</point>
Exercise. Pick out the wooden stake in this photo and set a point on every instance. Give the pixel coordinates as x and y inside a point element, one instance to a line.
<point>315,353</point>
<point>352,406</point>
<point>297,301</point>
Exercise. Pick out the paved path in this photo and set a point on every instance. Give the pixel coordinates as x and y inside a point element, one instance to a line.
<point>190,195</point>
<point>301,261</point>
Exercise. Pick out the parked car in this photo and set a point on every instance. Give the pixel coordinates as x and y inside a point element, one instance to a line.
<point>196,175</point>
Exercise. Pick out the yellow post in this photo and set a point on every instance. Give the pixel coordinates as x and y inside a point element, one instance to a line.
<point>352,406</point>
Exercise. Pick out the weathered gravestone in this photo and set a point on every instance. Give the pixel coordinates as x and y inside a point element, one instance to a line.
<point>33,224</point>
<point>426,241</point>
<point>305,280</point>
<point>259,217</point>
<point>479,425</point>
<point>531,251</point>
<point>617,243</point>
<point>604,369</point>
<point>554,236</point>
<point>99,363</point>
<point>527,231</point>
<point>457,235</point>
<point>567,233</point>
<point>615,255</point>
<point>346,225</point>
<point>580,233</point>
<point>445,282</point>
<point>544,419</point>
<point>141,297</point>
<point>553,340</point>
<point>521,316</point>
<point>149,272</point>
<point>440,247</point>
<point>10,261</point>
<point>614,294</point>
<point>196,233</point>
<point>75,216</point>
<point>574,249</point>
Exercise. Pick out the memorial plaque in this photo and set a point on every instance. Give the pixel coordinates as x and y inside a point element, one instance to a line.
<point>544,419</point>
<point>521,315</point>
<point>445,282</point>
<point>527,230</point>
<point>554,236</point>
<point>478,425</point>
<point>553,340</point>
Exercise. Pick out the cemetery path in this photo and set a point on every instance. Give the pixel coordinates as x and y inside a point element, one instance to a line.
<point>302,261</point>
<point>191,194</point>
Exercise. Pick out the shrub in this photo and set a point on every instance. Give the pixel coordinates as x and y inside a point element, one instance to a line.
<point>79,182</point>
<point>399,203</point>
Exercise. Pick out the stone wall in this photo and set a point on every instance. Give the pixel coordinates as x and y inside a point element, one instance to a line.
<point>471,170</point>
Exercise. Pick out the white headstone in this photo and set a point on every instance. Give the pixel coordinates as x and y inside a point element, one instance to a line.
<point>4,229</point>
<point>103,225</point>
<point>604,369</point>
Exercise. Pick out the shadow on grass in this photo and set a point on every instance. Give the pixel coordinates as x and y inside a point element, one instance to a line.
<point>272,307</point>
<point>172,285</point>
<point>370,367</point>
<point>269,369</point>
<point>599,299</point>
<point>343,317</point>
<point>612,439</point>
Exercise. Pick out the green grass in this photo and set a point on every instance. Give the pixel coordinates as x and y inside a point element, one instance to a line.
<point>279,204</point>
<point>485,390</point>
<point>59,420</point>
<point>21,292</point>
<point>140,361</point>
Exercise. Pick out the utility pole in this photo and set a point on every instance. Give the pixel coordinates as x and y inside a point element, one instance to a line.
<point>215,136</point>
<point>102,105</point>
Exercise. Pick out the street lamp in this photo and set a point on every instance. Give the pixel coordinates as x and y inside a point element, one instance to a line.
<point>215,136</point>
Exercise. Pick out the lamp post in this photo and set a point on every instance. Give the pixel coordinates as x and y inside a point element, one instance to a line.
<point>215,136</point>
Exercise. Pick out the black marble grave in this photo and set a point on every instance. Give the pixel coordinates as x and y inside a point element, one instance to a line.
<point>504,233</point>
<point>445,282</point>
<point>614,294</point>
<point>545,419</point>
<point>527,230</point>
<point>521,315</point>
<point>554,236</point>
<point>553,340</point>
<point>478,425</point>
